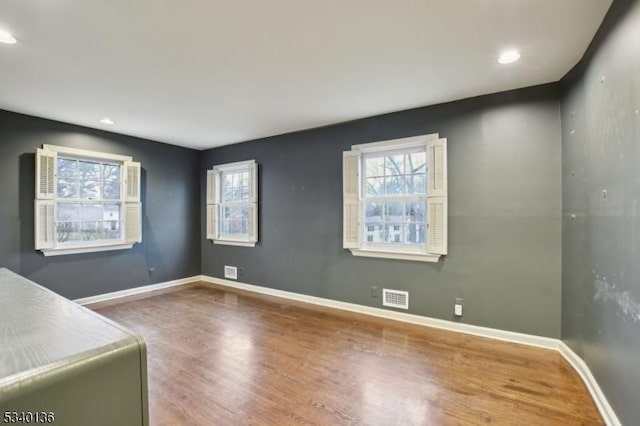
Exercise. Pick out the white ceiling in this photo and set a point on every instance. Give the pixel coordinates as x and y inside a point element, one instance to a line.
<point>204,73</point>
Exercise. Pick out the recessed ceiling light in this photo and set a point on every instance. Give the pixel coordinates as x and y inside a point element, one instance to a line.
<point>509,57</point>
<point>7,38</point>
<point>107,120</point>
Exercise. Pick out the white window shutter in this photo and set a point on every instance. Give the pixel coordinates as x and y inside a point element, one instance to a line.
<point>437,173</point>
<point>253,222</point>
<point>253,207</point>
<point>254,182</point>
<point>437,225</point>
<point>45,174</point>
<point>437,200</point>
<point>212,222</point>
<point>213,198</point>
<point>44,224</point>
<point>351,224</point>
<point>351,200</point>
<point>132,223</point>
<point>212,189</point>
<point>132,181</point>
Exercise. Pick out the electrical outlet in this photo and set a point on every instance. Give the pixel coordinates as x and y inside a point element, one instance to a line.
<point>457,307</point>
<point>152,272</point>
<point>240,272</point>
<point>374,291</point>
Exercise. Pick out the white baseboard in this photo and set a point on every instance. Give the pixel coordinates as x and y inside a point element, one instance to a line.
<point>583,371</point>
<point>492,333</point>
<point>137,290</point>
<point>572,358</point>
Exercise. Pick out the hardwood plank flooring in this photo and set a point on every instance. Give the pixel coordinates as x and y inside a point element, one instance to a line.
<point>218,356</point>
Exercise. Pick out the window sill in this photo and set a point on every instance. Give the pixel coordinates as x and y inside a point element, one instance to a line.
<point>79,250</point>
<point>418,257</point>
<point>235,243</point>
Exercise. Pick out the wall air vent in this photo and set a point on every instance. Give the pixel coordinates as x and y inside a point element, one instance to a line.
<point>395,298</point>
<point>231,272</point>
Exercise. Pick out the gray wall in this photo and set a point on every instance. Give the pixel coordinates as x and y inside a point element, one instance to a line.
<point>504,213</point>
<point>171,214</point>
<point>601,245</point>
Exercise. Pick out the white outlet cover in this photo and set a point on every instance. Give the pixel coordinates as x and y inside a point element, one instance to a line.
<point>457,310</point>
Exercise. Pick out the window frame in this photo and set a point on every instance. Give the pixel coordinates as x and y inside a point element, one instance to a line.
<point>386,246</point>
<point>215,204</point>
<point>354,200</point>
<point>47,202</point>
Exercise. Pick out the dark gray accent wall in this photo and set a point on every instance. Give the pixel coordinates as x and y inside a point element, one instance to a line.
<point>504,213</point>
<point>601,232</point>
<point>171,215</point>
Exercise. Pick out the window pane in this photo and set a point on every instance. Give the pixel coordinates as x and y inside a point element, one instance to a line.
<point>88,222</point>
<point>90,189</point>
<point>234,180</point>
<point>90,230</point>
<point>416,184</point>
<point>227,186</point>
<point>111,172</point>
<point>415,233</point>
<point>235,220</point>
<point>393,212</point>
<point>373,212</point>
<point>67,212</point>
<point>374,232</point>
<point>235,227</point>
<point>374,187</point>
<point>67,168</point>
<point>111,190</point>
<point>394,165</point>
<point>416,162</point>
<point>241,212</point>
<point>394,185</point>
<point>112,225</point>
<point>91,212</point>
<point>415,211</point>
<point>244,185</point>
<point>89,170</point>
<point>237,193</point>
<point>244,212</point>
<point>393,233</point>
<point>68,231</point>
<point>111,212</point>
<point>235,186</point>
<point>374,167</point>
<point>111,229</point>
<point>67,188</point>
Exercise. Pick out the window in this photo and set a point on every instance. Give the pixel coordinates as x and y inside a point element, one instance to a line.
<point>232,203</point>
<point>395,199</point>
<point>86,201</point>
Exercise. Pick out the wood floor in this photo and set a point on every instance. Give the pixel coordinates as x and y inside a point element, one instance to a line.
<point>218,356</point>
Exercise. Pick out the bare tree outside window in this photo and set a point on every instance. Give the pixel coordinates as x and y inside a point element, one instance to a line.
<point>235,201</point>
<point>395,187</point>
<point>89,200</point>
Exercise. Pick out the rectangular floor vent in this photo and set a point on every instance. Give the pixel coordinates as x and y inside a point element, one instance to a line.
<point>231,272</point>
<point>395,298</point>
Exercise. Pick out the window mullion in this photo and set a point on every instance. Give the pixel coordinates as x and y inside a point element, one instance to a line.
<point>235,203</point>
